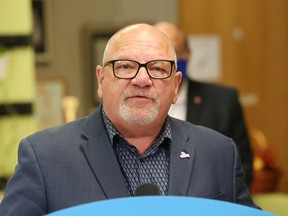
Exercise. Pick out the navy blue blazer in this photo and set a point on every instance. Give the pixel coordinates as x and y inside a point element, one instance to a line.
<point>75,164</point>
<point>218,108</point>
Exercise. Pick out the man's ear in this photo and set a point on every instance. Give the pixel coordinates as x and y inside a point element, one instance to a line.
<point>178,79</point>
<point>100,78</point>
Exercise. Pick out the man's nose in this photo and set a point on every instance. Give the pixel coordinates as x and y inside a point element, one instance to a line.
<point>142,78</point>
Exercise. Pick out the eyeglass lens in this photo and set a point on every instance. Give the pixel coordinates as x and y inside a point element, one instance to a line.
<point>156,69</point>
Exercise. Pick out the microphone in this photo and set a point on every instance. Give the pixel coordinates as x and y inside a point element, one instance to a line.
<point>147,189</point>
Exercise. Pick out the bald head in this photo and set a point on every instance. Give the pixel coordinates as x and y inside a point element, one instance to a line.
<point>175,35</point>
<point>138,35</point>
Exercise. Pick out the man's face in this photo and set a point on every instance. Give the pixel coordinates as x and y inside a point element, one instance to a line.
<point>140,100</point>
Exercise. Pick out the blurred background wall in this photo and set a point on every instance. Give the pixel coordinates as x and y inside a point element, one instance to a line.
<point>17,81</point>
<point>254,37</point>
<point>254,53</point>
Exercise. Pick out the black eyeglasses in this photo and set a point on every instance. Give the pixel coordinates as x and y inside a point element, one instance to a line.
<point>128,69</point>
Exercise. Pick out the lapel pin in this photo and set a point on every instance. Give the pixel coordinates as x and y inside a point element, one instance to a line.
<point>184,155</point>
<point>197,100</point>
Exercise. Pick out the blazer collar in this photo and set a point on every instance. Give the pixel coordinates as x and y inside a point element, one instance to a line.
<point>195,102</point>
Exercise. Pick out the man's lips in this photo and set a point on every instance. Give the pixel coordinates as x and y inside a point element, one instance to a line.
<point>140,98</point>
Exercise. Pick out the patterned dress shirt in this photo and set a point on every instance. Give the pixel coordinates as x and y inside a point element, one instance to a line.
<point>150,167</point>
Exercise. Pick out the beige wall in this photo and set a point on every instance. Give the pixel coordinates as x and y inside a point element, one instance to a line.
<point>256,62</point>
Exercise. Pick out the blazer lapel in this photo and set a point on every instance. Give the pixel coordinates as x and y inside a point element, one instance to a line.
<point>102,159</point>
<point>195,103</point>
<point>181,162</point>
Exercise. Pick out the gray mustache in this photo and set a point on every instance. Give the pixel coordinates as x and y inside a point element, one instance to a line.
<point>141,93</point>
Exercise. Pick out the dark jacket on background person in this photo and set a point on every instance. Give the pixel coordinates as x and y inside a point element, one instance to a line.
<point>218,108</point>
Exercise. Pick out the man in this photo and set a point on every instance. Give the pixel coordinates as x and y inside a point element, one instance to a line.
<point>206,104</point>
<point>128,141</point>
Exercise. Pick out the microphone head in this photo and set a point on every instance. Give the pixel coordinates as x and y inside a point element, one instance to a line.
<point>147,189</point>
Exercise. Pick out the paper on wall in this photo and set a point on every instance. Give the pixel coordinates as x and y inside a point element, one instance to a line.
<point>205,60</point>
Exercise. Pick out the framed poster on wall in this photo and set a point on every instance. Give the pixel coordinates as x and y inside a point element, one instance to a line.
<point>50,92</point>
<point>94,40</point>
